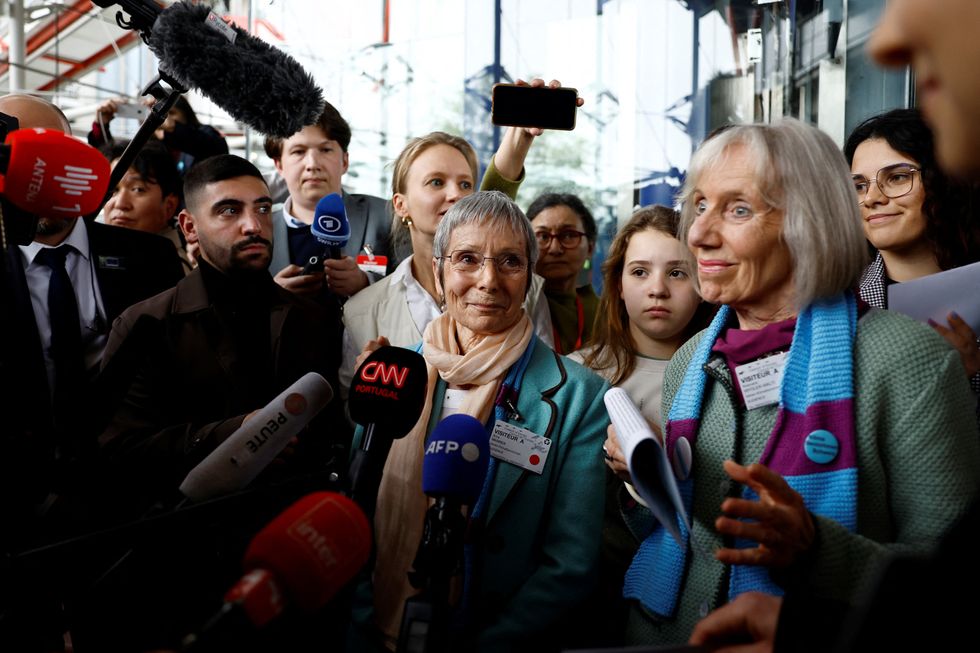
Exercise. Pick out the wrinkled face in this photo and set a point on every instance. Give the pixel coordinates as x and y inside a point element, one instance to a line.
<point>737,240</point>
<point>557,263</point>
<point>488,300</point>
<point>232,221</point>
<point>138,203</point>
<point>891,224</point>
<point>657,286</point>
<point>311,165</point>
<point>938,38</point>
<point>437,179</point>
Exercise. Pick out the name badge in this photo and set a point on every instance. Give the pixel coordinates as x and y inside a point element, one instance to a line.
<point>518,446</point>
<point>376,264</point>
<point>760,380</point>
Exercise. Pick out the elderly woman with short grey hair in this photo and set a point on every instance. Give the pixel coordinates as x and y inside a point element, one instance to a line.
<point>534,532</point>
<point>808,433</point>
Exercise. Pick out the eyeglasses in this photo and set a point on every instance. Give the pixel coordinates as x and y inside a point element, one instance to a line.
<point>893,181</point>
<point>567,238</point>
<point>472,262</point>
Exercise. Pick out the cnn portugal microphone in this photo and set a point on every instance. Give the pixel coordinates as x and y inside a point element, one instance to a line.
<point>386,397</point>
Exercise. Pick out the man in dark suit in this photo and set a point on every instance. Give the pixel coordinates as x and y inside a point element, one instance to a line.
<point>49,361</point>
<point>59,294</point>
<point>312,162</point>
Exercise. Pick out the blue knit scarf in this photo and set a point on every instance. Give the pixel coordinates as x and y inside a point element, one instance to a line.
<point>812,445</point>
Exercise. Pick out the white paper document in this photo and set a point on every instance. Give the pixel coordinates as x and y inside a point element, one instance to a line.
<point>935,295</point>
<point>652,474</point>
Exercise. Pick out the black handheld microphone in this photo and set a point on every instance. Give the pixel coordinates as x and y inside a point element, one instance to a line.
<point>386,397</point>
<point>190,39</point>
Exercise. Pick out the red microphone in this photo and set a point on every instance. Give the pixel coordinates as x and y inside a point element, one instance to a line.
<point>51,175</point>
<point>302,558</point>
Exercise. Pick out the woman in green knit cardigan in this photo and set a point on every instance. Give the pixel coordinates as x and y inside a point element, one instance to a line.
<point>808,434</point>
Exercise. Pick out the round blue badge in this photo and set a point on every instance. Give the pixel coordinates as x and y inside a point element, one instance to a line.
<point>821,446</point>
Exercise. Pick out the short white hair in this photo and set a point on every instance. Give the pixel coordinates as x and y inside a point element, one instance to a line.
<point>801,172</point>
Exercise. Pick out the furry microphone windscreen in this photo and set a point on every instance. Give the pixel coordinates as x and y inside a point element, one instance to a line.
<point>256,83</point>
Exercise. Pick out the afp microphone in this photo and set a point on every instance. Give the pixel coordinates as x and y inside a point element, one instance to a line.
<point>386,397</point>
<point>300,561</point>
<point>331,228</point>
<point>199,50</point>
<point>245,453</point>
<point>454,469</point>
<point>51,175</point>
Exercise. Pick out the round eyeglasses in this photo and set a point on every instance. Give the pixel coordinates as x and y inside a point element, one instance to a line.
<point>472,262</point>
<point>567,238</point>
<point>892,181</point>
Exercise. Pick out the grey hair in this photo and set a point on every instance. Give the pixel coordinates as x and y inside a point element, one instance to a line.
<point>489,208</point>
<point>801,172</point>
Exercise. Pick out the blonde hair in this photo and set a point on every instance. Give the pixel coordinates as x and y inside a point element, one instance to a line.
<point>401,240</point>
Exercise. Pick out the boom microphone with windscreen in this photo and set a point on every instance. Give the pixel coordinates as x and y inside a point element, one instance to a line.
<point>199,50</point>
<point>51,175</point>
<point>245,453</point>
<point>386,396</point>
<point>302,558</point>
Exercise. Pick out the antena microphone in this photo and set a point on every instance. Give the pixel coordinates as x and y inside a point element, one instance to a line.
<point>386,396</point>
<point>245,453</point>
<point>52,175</point>
<point>302,558</point>
<point>190,40</point>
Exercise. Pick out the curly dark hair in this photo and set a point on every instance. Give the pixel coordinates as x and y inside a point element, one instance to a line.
<point>949,205</point>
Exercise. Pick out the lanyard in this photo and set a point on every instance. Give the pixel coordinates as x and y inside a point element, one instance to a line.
<point>580,314</point>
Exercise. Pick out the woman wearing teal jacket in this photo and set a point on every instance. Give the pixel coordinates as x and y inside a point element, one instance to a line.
<point>534,533</point>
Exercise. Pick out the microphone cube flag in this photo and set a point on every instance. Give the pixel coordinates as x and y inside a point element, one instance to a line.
<point>330,224</point>
<point>314,548</point>
<point>388,389</point>
<point>456,458</point>
<point>51,175</point>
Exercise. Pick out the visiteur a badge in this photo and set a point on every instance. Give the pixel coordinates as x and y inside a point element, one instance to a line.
<point>518,446</point>
<point>761,380</point>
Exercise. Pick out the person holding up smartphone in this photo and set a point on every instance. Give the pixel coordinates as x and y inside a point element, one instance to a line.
<point>187,139</point>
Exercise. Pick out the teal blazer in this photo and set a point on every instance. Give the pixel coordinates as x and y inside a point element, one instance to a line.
<point>539,545</point>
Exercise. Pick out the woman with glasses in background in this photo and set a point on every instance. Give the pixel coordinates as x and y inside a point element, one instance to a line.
<point>919,220</point>
<point>566,231</point>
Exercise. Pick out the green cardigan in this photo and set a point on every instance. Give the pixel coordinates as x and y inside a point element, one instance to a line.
<point>918,467</point>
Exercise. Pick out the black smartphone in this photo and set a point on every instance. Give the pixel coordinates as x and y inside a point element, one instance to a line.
<point>534,106</point>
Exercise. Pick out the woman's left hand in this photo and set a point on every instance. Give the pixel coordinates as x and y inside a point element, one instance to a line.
<point>781,524</point>
<point>961,337</point>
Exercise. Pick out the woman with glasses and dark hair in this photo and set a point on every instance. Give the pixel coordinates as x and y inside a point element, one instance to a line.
<point>566,232</point>
<point>533,534</point>
<point>919,220</point>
